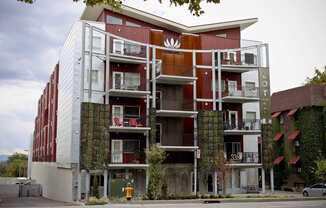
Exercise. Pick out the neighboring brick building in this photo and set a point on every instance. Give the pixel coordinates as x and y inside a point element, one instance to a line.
<point>299,130</point>
<point>129,79</point>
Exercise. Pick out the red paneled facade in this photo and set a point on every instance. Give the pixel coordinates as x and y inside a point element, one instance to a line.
<point>45,132</point>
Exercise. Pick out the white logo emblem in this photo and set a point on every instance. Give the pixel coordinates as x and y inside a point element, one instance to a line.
<point>172,43</point>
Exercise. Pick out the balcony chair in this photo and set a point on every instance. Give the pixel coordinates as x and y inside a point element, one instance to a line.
<point>117,121</point>
<point>133,123</point>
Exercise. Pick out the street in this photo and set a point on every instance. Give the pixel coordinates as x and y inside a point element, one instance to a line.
<point>286,204</point>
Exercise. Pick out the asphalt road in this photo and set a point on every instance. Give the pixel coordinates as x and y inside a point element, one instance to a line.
<point>288,204</point>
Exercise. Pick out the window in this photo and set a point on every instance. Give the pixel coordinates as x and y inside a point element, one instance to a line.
<point>132,81</point>
<point>97,43</point>
<point>317,186</point>
<point>132,49</point>
<point>131,146</point>
<point>132,24</point>
<point>249,58</point>
<point>117,80</point>
<point>222,85</point>
<point>250,85</point>
<point>250,116</point>
<point>158,133</point>
<point>113,20</point>
<point>118,46</point>
<point>132,111</point>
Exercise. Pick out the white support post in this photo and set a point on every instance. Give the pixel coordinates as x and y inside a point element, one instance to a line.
<point>83,63</point>
<point>105,191</point>
<point>215,183</point>
<point>195,119</point>
<point>219,80</point>
<point>87,184</point>
<point>263,180</point>
<point>154,77</point>
<point>214,80</point>
<point>233,181</point>
<point>107,69</point>
<point>147,108</point>
<point>90,63</point>
<point>272,179</point>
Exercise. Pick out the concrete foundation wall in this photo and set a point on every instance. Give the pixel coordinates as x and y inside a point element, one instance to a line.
<point>56,182</point>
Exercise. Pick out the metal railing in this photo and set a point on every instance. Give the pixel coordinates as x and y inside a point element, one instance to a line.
<point>243,157</point>
<point>249,92</point>
<point>125,48</point>
<point>246,124</point>
<point>129,87</point>
<point>175,104</point>
<point>118,121</point>
<point>137,157</point>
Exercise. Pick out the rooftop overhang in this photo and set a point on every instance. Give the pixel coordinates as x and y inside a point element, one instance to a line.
<point>92,13</point>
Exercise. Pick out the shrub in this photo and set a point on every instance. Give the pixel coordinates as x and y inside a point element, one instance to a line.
<point>97,201</point>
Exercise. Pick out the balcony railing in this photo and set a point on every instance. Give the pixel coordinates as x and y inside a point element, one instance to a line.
<point>243,157</point>
<point>129,87</point>
<point>175,104</point>
<point>117,121</point>
<point>252,92</point>
<point>247,124</point>
<point>138,157</point>
<point>125,48</point>
<point>181,70</point>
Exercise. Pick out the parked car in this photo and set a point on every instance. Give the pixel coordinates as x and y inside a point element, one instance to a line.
<point>318,189</point>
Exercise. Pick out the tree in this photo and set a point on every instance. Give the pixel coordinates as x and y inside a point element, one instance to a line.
<point>193,5</point>
<point>318,78</point>
<point>16,166</point>
<point>155,156</point>
<point>320,170</point>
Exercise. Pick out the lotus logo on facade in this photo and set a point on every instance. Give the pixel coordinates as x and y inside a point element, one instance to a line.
<point>172,43</point>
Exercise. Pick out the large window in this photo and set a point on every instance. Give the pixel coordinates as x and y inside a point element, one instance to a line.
<point>132,80</point>
<point>131,146</point>
<point>131,111</point>
<point>132,24</point>
<point>250,116</point>
<point>113,20</point>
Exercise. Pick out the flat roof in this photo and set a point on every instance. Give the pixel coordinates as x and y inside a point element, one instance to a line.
<point>92,13</point>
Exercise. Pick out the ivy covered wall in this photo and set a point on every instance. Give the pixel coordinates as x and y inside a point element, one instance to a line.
<point>311,122</point>
<point>95,137</point>
<point>210,138</point>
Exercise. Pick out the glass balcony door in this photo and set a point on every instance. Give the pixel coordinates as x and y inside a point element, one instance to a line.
<point>116,151</point>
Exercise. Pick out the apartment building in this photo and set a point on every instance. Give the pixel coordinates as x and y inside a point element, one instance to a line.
<point>128,79</point>
<point>299,119</point>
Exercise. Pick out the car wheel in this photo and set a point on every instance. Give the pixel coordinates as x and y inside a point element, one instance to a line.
<point>305,193</point>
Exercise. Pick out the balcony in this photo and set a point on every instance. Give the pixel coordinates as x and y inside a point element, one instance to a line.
<point>127,85</point>
<point>122,51</point>
<point>245,95</point>
<point>242,127</point>
<point>186,146</point>
<point>175,108</point>
<point>176,74</point>
<point>128,125</point>
<point>242,159</point>
<point>244,59</point>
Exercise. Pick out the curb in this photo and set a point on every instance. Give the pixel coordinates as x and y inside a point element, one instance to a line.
<point>207,201</point>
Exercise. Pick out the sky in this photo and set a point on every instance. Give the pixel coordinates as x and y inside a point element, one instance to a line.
<point>31,37</point>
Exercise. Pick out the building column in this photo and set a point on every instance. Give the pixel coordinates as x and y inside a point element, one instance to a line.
<point>263,180</point>
<point>215,183</point>
<point>105,191</point>
<point>87,183</point>
<point>272,179</point>
<point>233,181</point>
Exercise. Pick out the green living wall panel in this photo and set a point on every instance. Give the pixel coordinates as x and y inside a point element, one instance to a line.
<point>210,138</point>
<point>94,140</point>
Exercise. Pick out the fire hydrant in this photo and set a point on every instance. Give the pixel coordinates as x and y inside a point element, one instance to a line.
<point>128,191</point>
